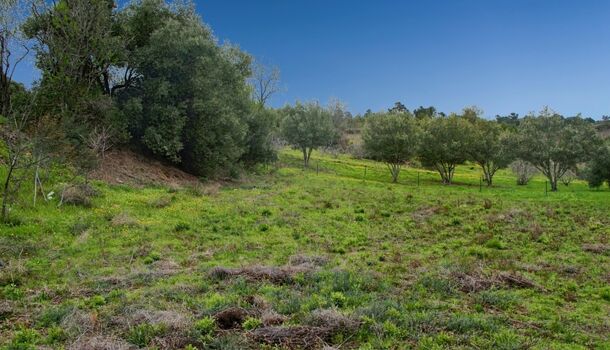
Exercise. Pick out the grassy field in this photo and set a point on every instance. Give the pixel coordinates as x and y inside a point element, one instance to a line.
<point>306,258</point>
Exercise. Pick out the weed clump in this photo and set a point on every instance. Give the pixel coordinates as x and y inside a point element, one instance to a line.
<point>79,195</point>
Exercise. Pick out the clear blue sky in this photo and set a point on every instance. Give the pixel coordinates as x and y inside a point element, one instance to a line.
<point>501,55</point>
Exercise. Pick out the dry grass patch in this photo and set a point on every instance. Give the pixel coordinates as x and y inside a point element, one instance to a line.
<point>597,248</point>
<point>123,220</point>
<point>278,275</point>
<point>78,195</point>
<point>100,342</point>
<point>424,213</point>
<point>293,337</point>
<point>475,281</point>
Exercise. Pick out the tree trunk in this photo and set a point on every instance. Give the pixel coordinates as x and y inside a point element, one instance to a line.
<point>5,192</point>
<point>305,159</point>
<point>395,171</point>
<point>553,185</point>
<point>309,155</point>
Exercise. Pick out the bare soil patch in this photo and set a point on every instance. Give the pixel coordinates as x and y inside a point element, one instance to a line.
<point>128,167</point>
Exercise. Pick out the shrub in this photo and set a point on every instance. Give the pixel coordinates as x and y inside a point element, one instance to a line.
<point>79,195</point>
<point>338,298</point>
<point>24,339</point>
<point>205,328</point>
<point>523,170</point>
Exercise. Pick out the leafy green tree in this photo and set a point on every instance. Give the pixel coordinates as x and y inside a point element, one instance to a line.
<point>307,127</point>
<point>555,145</point>
<point>444,144</point>
<point>262,127</point>
<point>392,138</point>
<point>598,168</point>
<point>176,107</point>
<point>398,108</point>
<point>75,50</point>
<point>423,113</point>
<point>490,147</point>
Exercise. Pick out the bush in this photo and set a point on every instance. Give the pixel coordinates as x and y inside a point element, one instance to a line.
<point>598,169</point>
<point>79,195</point>
<point>523,170</point>
<point>205,328</point>
<point>24,339</point>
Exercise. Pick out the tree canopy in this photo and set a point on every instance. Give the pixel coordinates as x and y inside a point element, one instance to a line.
<point>307,127</point>
<point>554,144</point>
<point>444,144</point>
<point>392,138</point>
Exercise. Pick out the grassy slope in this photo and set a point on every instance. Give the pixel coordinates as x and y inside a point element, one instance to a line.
<point>394,252</point>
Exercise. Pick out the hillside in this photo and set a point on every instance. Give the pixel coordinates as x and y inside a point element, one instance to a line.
<point>330,256</point>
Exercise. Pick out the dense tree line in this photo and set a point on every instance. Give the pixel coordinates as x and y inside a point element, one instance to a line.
<point>554,145</point>
<point>546,142</point>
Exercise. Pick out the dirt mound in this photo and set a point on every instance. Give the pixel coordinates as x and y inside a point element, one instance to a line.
<point>127,167</point>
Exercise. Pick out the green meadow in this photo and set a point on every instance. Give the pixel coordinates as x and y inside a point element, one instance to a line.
<point>334,255</point>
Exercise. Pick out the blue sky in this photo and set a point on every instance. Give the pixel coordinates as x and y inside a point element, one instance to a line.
<point>500,55</point>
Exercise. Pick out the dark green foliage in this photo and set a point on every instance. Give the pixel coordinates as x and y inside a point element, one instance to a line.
<point>598,169</point>
<point>178,111</point>
<point>444,144</point>
<point>307,127</point>
<point>423,113</point>
<point>555,145</point>
<point>262,125</point>
<point>490,147</point>
<point>392,138</point>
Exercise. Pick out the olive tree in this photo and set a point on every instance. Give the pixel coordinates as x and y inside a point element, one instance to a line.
<point>392,138</point>
<point>307,127</point>
<point>444,144</point>
<point>489,148</point>
<point>554,144</point>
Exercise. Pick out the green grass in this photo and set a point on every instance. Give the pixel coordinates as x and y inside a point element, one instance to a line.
<point>393,253</point>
